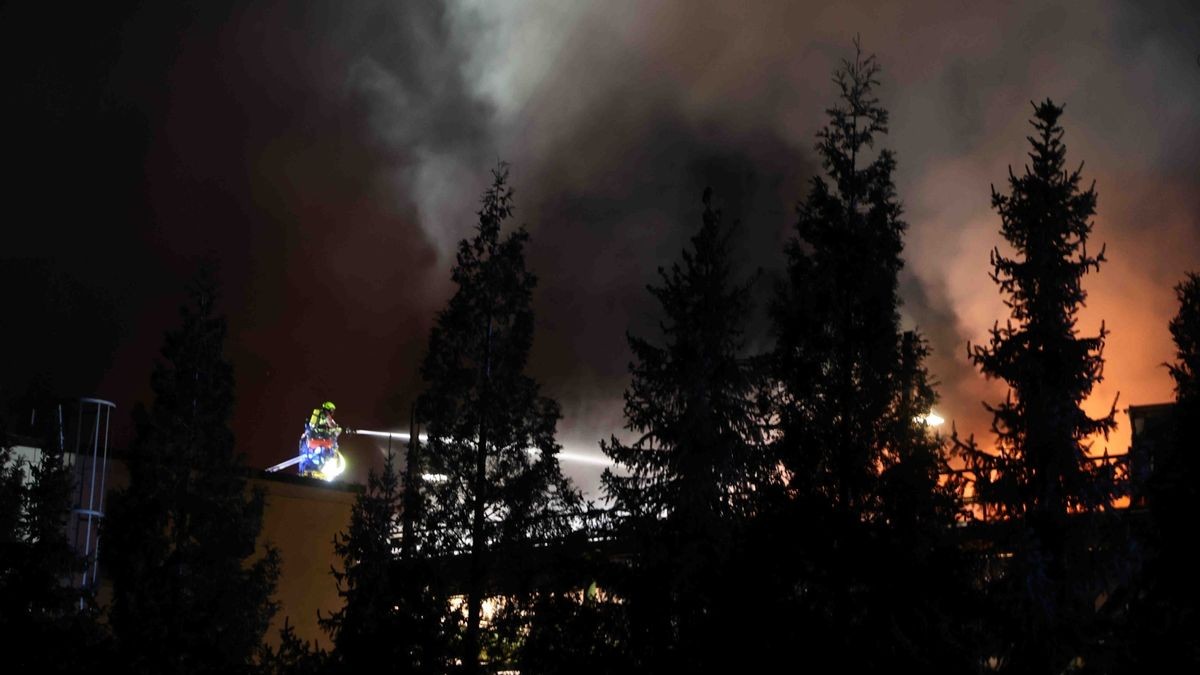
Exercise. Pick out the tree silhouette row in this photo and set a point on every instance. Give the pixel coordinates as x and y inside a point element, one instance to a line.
<point>786,509</point>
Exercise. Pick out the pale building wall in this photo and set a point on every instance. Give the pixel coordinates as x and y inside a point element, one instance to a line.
<point>300,519</point>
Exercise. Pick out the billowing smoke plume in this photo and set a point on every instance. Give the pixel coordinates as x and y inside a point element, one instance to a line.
<point>332,154</point>
<point>616,115</point>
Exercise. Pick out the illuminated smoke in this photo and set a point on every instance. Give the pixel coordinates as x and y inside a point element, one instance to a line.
<point>331,155</point>
<point>615,115</point>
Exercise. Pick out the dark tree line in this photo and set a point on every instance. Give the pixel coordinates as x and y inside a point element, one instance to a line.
<point>698,466</point>
<point>794,507</point>
<point>785,509</point>
<point>1160,627</point>
<point>491,432</point>
<point>191,589</point>
<point>41,602</point>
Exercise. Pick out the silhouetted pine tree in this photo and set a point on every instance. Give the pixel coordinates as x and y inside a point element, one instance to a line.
<point>1185,329</point>
<point>698,462</point>
<point>1039,480</point>
<point>13,619</point>
<point>391,615</point>
<point>491,433</point>
<point>851,393</point>
<point>1164,623</point>
<point>12,494</point>
<point>41,603</point>
<point>923,607</point>
<point>576,635</point>
<point>838,353</point>
<point>1178,493</point>
<point>294,656</point>
<point>912,500</point>
<point>191,591</point>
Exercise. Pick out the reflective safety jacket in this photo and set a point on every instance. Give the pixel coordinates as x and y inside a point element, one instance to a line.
<point>322,423</point>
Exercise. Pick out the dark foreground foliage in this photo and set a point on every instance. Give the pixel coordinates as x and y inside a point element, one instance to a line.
<point>786,508</point>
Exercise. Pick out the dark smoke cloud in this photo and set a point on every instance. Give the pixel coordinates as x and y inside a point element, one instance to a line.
<point>615,115</point>
<point>331,154</point>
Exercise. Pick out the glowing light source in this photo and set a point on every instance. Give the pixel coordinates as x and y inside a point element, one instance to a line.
<point>563,455</point>
<point>399,435</point>
<point>931,418</point>
<point>333,467</point>
<point>582,458</point>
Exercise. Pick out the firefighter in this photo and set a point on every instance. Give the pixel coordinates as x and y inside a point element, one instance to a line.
<point>319,442</point>
<point>321,424</point>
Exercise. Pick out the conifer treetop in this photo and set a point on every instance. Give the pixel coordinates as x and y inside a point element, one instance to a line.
<point>853,123</point>
<point>1041,463</point>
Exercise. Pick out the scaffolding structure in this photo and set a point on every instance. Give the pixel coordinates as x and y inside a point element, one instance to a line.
<point>90,470</point>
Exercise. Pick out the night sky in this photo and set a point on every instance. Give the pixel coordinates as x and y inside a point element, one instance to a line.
<point>329,155</point>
